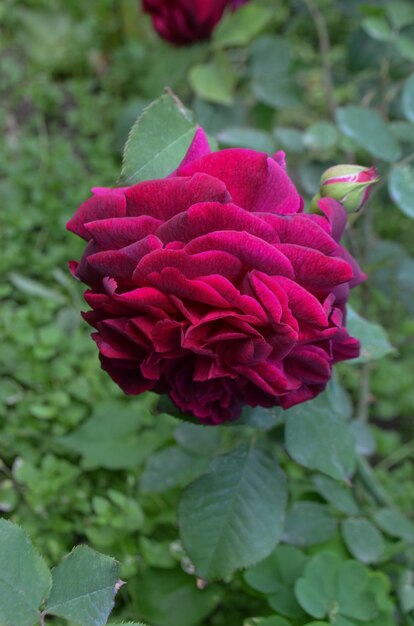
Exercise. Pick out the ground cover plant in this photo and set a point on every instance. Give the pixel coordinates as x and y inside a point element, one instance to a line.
<point>126,508</point>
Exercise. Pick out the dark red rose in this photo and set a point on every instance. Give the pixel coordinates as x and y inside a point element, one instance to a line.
<point>212,286</point>
<point>186,21</point>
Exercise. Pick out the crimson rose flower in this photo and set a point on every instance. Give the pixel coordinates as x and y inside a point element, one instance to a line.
<point>186,21</point>
<point>212,286</point>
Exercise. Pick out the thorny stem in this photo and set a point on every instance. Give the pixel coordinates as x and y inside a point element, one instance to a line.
<point>324,48</point>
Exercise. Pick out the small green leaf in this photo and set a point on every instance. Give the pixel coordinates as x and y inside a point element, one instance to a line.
<point>408,98</point>
<point>355,597</point>
<point>157,553</point>
<point>240,27</point>
<point>400,13</point>
<point>252,138</point>
<point>363,539</point>
<point>158,140</point>
<point>316,437</point>
<point>33,288</point>
<point>266,621</point>
<point>309,523</point>
<point>269,65</point>
<point>374,341</point>
<point>290,138</point>
<point>259,418</point>
<point>401,188</point>
<point>315,591</point>
<point>24,577</point>
<point>213,81</point>
<point>377,28</point>
<point>171,598</point>
<point>321,136</point>
<point>405,47</point>
<point>111,437</point>
<point>403,131</point>
<point>239,506</point>
<point>170,468</point>
<point>197,439</point>
<point>283,566</point>
<point>395,524</point>
<point>369,131</point>
<point>406,590</point>
<point>84,587</point>
<point>276,576</point>
<point>365,443</point>
<point>337,494</point>
<point>330,585</point>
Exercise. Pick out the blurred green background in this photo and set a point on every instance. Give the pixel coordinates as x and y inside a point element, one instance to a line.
<point>74,454</point>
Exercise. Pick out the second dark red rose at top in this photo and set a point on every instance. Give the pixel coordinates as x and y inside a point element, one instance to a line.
<point>183,22</point>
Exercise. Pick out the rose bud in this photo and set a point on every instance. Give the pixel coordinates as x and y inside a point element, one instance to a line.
<point>212,286</point>
<point>184,22</point>
<point>351,185</point>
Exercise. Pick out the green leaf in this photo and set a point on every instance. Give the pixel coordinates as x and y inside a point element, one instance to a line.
<point>157,553</point>
<point>321,136</point>
<point>395,524</point>
<point>259,418</point>
<point>401,188</point>
<point>252,138</point>
<point>377,28</point>
<point>355,597</point>
<point>84,587</point>
<point>233,515</point>
<point>328,584</point>
<point>158,140</point>
<point>266,621</point>
<point>290,138</point>
<point>33,288</point>
<point>400,13</point>
<point>283,566</point>
<point>198,439</point>
<point>337,398</point>
<point>316,437</point>
<point>365,443</point>
<point>171,598</point>
<point>405,590</point>
<point>309,523</point>
<point>315,591</point>
<point>374,341</point>
<point>403,131</point>
<point>213,81</point>
<point>405,47</point>
<point>170,468</point>
<point>337,494</point>
<point>111,437</point>
<point>240,27</point>
<point>269,69</point>
<point>408,98</point>
<point>363,539</point>
<point>369,131</point>
<point>24,577</point>
<point>276,576</point>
